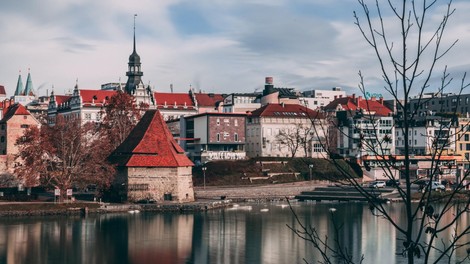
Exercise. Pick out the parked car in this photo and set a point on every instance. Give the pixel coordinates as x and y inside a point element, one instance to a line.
<point>392,183</point>
<point>437,186</point>
<point>377,184</point>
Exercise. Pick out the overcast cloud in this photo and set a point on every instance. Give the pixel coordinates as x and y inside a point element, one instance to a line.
<point>213,45</point>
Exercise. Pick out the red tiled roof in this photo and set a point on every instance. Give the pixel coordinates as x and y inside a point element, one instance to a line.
<point>15,109</point>
<point>209,99</point>
<point>286,110</point>
<point>60,99</point>
<point>2,90</point>
<point>96,97</point>
<point>172,99</point>
<point>150,144</point>
<point>5,105</point>
<point>352,104</point>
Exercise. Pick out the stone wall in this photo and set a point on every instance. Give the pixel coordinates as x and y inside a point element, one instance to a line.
<point>160,184</point>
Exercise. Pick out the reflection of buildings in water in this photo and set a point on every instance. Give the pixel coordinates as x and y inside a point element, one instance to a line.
<point>160,238</point>
<point>221,237</point>
<point>384,234</point>
<point>455,228</point>
<point>276,236</point>
<point>21,236</point>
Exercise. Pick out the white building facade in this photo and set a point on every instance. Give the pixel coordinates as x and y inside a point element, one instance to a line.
<point>266,126</point>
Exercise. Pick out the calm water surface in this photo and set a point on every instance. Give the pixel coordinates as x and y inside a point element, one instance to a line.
<point>251,233</point>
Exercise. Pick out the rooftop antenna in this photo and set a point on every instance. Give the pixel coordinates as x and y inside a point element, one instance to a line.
<point>171,87</point>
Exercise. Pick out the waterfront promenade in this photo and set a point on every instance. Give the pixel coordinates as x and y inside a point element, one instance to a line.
<point>256,192</point>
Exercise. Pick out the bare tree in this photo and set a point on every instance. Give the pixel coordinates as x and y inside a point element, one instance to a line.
<point>296,137</point>
<point>408,62</point>
<point>64,155</point>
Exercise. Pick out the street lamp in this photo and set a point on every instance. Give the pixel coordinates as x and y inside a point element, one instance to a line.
<point>204,168</point>
<point>310,168</point>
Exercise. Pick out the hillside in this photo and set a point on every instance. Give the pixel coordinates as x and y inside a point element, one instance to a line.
<point>268,170</point>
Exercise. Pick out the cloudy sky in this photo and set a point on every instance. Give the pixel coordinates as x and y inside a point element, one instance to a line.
<point>213,45</point>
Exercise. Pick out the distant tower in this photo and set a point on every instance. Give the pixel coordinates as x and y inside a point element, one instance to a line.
<point>29,86</point>
<point>19,86</point>
<point>134,73</point>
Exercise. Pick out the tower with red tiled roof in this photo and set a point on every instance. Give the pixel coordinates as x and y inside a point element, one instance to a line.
<point>151,165</point>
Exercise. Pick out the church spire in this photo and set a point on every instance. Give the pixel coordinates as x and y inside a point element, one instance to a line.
<point>19,86</point>
<point>134,73</point>
<point>29,85</point>
<point>134,51</point>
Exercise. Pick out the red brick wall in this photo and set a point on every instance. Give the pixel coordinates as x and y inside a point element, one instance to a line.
<point>226,126</point>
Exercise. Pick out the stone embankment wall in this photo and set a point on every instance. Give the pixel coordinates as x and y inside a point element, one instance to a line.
<point>258,193</point>
<point>105,208</point>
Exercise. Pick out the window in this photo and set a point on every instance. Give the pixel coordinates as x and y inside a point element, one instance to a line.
<point>218,122</point>
<point>317,147</point>
<point>235,136</point>
<point>25,117</point>
<point>24,126</point>
<point>2,139</point>
<point>218,137</point>
<point>3,127</point>
<point>236,122</point>
<point>466,137</point>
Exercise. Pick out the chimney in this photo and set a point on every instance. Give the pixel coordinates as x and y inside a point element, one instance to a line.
<point>359,99</point>
<point>269,80</point>
<point>268,86</point>
<point>373,99</point>
<point>353,96</point>
<point>381,100</point>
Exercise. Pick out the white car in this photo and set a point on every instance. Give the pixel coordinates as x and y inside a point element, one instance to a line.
<point>377,184</point>
<point>437,186</point>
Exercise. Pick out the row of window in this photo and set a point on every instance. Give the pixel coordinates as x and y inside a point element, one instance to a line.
<point>227,122</point>
<point>226,135</point>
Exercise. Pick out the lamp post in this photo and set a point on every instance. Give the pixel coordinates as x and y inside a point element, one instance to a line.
<point>204,168</point>
<point>310,167</point>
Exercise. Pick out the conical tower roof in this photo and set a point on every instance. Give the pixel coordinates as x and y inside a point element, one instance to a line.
<point>19,86</point>
<point>150,144</point>
<point>29,86</point>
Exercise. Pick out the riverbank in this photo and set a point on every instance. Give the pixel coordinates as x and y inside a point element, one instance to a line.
<point>267,192</point>
<point>208,198</point>
<point>12,209</point>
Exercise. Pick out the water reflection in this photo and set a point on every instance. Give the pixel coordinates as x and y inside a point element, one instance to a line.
<point>248,234</point>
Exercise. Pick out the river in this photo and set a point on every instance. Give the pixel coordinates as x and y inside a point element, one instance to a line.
<point>249,233</point>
